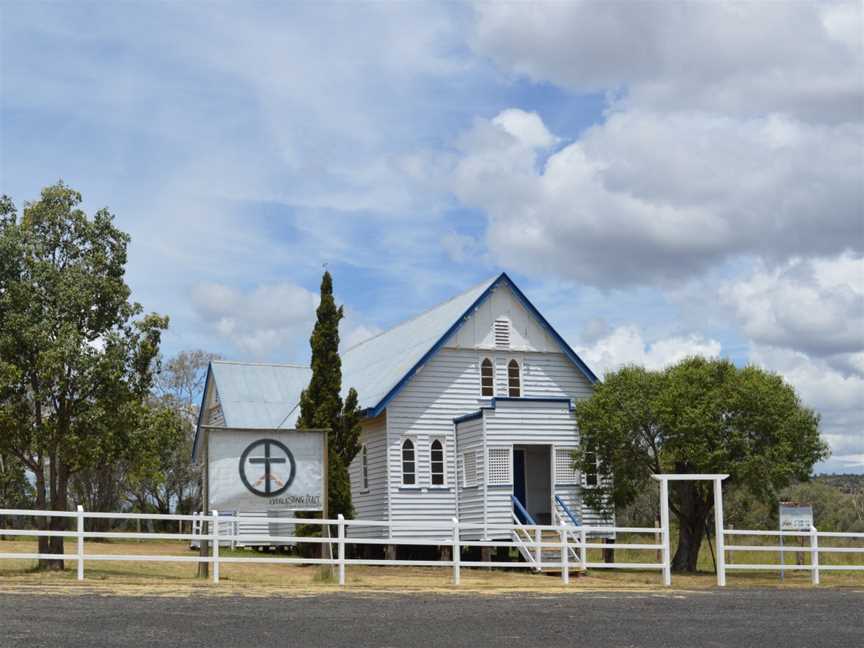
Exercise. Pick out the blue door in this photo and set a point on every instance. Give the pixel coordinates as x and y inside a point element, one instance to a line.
<point>519,478</point>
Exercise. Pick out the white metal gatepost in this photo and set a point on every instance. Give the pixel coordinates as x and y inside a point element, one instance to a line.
<point>664,480</point>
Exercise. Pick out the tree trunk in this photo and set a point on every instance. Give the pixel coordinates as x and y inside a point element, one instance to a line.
<point>694,512</point>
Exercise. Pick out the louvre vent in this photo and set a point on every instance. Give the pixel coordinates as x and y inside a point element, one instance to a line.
<point>565,471</point>
<point>502,333</point>
<point>469,468</point>
<point>499,466</point>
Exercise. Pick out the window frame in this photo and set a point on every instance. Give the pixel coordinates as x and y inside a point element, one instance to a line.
<point>443,443</point>
<point>487,361</point>
<point>595,475</point>
<point>518,364</point>
<point>402,461</point>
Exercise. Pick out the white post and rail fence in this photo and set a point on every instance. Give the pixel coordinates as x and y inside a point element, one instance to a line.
<point>559,548</point>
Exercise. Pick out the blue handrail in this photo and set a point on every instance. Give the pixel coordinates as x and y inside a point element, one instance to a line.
<point>521,512</point>
<point>567,510</point>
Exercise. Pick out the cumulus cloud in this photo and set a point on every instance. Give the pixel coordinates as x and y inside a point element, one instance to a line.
<point>260,322</point>
<point>837,396</point>
<point>645,197</point>
<point>625,345</point>
<point>812,306</point>
<point>802,58</point>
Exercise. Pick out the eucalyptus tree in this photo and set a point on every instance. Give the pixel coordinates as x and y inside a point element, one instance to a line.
<point>698,416</point>
<point>76,354</point>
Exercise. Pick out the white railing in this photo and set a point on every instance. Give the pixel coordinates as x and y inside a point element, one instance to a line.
<point>531,542</point>
<point>814,567</point>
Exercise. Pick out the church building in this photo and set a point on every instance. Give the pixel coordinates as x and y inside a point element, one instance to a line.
<point>468,413</point>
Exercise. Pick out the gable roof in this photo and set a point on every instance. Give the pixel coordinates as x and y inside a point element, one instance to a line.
<point>260,395</point>
<point>255,395</point>
<point>379,367</point>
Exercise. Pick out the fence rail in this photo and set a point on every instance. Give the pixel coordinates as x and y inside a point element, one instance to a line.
<point>815,567</point>
<point>568,543</point>
<point>562,547</point>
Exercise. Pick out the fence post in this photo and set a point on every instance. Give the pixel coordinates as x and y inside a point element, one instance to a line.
<point>80,518</point>
<point>583,551</point>
<point>664,530</point>
<point>565,558</point>
<point>340,534</point>
<point>719,536</point>
<point>814,555</point>
<point>215,538</point>
<point>538,550</point>
<point>456,551</point>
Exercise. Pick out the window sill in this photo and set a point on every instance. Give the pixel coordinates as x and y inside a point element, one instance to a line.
<point>510,485</point>
<point>424,489</point>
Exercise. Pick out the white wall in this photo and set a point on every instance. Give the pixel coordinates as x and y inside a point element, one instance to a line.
<point>371,503</point>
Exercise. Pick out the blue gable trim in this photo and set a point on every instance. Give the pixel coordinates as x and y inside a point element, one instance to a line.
<point>525,399</point>
<point>372,412</point>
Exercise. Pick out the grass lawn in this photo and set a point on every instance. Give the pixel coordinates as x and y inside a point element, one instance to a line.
<point>168,578</point>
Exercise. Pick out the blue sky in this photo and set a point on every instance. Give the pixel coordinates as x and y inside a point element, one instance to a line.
<point>660,179</point>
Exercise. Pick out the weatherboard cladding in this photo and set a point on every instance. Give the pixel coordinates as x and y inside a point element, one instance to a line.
<point>371,503</point>
<point>469,438</point>
<point>448,387</point>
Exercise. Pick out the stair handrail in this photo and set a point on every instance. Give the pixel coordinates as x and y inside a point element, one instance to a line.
<point>571,531</point>
<point>567,510</point>
<point>526,516</point>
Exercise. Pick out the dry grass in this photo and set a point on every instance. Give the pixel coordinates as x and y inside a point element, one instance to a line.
<point>173,579</point>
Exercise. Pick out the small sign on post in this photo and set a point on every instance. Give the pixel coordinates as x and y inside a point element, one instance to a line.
<point>793,517</point>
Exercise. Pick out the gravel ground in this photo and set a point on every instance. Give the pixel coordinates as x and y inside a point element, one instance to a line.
<point>690,619</point>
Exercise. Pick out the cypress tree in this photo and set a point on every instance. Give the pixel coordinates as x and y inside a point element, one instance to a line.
<point>321,404</point>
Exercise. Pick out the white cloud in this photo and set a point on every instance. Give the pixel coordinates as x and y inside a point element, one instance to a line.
<point>812,306</point>
<point>648,196</point>
<point>527,127</point>
<point>803,58</point>
<point>837,396</point>
<point>625,345</point>
<point>260,322</point>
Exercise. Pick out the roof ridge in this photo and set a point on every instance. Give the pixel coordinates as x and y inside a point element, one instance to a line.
<point>489,282</point>
<point>262,364</point>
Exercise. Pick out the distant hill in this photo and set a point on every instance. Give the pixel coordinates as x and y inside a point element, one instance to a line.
<point>845,483</point>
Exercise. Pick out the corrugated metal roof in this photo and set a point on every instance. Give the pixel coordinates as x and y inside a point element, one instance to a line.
<point>377,365</point>
<point>260,395</point>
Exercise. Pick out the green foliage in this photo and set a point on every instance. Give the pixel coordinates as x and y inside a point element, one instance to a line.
<point>76,356</point>
<point>698,416</point>
<point>321,405</point>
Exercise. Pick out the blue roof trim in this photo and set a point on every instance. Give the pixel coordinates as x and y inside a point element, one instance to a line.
<point>569,352</point>
<point>201,411</point>
<point>525,399</point>
<point>469,417</point>
<point>375,411</point>
<point>502,278</point>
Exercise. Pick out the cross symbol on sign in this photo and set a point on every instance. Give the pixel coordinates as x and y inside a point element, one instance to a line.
<point>268,461</point>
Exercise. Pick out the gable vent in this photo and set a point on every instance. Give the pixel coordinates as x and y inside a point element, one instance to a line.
<point>502,333</point>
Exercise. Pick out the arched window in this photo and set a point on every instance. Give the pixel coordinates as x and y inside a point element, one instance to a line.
<point>513,379</point>
<point>409,472</point>
<point>487,378</point>
<point>364,467</point>
<point>436,461</point>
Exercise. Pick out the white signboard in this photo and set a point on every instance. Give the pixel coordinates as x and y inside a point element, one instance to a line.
<point>261,470</point>
<point>794,517</point>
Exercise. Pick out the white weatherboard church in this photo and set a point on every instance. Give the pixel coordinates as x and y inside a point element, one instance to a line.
<point>467,414</point>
